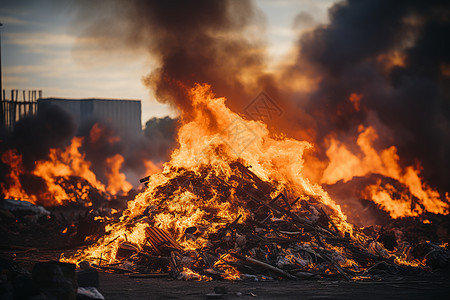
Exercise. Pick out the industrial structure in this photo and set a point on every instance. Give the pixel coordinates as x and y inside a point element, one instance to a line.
<point>16,107</point>
<point>123,115</point>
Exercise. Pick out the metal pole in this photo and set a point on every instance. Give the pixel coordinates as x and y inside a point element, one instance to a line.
<point>2,116</point>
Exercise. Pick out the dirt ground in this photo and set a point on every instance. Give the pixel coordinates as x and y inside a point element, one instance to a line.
<point>119,286</point>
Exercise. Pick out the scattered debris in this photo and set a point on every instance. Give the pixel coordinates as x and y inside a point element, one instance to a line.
<point>23,224</point>
<point>24,208</point>
<point>86,293</point>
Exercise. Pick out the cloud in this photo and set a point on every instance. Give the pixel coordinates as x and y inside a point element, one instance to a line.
<point>26,69</point>
<point>48,39</point>
<point>12,20</point>
<point>15,80</point>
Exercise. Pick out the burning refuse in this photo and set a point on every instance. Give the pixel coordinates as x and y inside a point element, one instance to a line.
<point>233,203</point>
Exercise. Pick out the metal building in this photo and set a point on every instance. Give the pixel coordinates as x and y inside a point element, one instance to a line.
<point>124,115</point>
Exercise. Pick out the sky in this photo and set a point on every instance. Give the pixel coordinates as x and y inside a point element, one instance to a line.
<point>43,49</point>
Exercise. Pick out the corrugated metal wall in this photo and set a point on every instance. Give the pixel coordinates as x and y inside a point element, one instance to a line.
<point>124,115</point>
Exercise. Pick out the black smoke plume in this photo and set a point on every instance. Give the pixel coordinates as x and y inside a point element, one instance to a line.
<point>411,98</point>
<point>201,41</point>
<point>213,42</point>
<point>33,136</point>
<point>194,42</point>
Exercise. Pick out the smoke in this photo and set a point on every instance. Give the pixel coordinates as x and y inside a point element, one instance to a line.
<point>34,136</point>
<point>214,42</point>
<point>396,54</point>
<point>193,41</point>
<point>393,54</point>
<point>161,132</point>
<point>102,141</point>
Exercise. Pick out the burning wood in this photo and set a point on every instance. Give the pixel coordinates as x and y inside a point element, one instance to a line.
<point>159,240</point>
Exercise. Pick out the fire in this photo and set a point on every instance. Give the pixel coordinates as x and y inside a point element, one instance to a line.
<point>66,163</point>
<point>15,190</point>
<point>345,165</point>
<point>61,164</point>
<point>98,132</point>
<point>392,59</point>
<point>188,274</point>
<point>209,142</point>
<point>151,168</point>
<point>355,100</point>
<point>117,181</point>
<point>65,176</point>
<point>203,189</point>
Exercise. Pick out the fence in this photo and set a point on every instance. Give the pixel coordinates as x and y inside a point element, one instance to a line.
<point>13,109</point>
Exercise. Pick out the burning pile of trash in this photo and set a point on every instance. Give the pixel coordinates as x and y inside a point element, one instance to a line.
<point>233,203</point>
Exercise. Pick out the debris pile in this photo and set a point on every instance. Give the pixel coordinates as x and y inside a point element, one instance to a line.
<point>276,234</point>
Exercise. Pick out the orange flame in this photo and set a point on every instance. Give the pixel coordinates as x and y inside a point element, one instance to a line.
<point>117,181</point>
<point>355,100</point>
<point>151,168</point>
<point>14,190</point>
<point>344,165</point>
<point>61,165</point>
<point>98,132</point>
<point>210,141</point>
<point>69,162</point>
